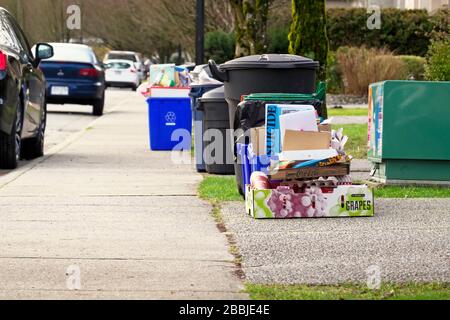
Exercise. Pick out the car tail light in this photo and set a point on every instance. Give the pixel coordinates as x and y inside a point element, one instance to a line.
<point>3,61</point>
<point>133,70</point>
<point>89,72</point>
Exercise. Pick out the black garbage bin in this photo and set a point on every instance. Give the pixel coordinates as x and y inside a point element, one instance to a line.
<point>217,135</point>
<point>197,91</point>
<point>267,73</point>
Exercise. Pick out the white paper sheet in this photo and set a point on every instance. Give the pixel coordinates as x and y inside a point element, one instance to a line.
<point>300,121</point>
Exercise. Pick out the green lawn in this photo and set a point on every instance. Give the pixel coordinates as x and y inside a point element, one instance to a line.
<point>223,188</point>
<point>350,292</point>
<point>219,188</point>
<point>358,138</point>
<point>412,192</point>
<point>334,112</point>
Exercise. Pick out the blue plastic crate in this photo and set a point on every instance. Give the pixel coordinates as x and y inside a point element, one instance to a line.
<point>249,162</point>
<point>243,163</point>
<point>257,163</point>
<point>170,121</point>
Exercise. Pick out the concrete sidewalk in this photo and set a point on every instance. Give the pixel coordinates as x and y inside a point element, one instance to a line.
<point>345,120</point>
<point>127,217</point>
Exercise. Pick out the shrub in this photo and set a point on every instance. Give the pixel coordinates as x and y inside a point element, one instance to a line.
<point>437,67</point>
<point>219,46</point>
<point>399,29</point>
<point>404,32</point>
<point>414,67</point>
<point>441,25</point>
<point>278,39</point>
<point>362,67</point>
<point>334,75</point>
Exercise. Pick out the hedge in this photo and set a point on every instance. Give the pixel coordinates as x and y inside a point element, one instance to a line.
<point>219,46</point>
<point>404,32</point>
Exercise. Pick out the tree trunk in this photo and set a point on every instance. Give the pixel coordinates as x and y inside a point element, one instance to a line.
<point>308,36</point>
<point>251,26</point>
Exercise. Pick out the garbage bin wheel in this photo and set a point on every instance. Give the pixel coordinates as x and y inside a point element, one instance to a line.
<point>241,191</point>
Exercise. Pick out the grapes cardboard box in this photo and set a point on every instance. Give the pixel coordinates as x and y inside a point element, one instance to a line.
<point>312,202</point>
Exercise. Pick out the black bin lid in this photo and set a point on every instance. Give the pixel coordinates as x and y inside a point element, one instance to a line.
<point>214,95</point>
<point>270,61</point>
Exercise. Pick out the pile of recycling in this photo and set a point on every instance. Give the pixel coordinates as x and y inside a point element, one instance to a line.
<point>165,76</point>
<point>298,165</point>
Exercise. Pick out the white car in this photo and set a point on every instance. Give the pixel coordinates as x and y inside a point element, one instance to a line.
<point>121,73</point>
<point>134,57</point>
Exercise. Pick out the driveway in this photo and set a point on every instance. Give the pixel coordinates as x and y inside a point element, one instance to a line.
<point>407,241</point>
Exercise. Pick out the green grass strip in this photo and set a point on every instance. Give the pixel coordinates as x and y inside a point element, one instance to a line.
<point>350,292</point>
<point>348,112</point>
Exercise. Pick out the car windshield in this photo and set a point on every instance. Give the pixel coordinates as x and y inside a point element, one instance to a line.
<point>72,54</point>
<point>122,56</point>
<point>118,65</point>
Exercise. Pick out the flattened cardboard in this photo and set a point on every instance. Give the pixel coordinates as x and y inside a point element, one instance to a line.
<point>311,172</point>
<point>325,127</point>
<point>303,140</point>
<point>258,140</point>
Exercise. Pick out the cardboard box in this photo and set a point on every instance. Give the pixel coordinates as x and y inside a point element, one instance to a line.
<point>303,140</point>
<point>325,128</point>
<point>315,202</point>
<point>258,140</point>
<point>311,173</point>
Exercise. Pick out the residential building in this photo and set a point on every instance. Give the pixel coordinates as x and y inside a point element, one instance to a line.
<point>430,5</point>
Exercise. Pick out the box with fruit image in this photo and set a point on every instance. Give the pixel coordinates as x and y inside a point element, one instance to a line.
<point>312,202</point>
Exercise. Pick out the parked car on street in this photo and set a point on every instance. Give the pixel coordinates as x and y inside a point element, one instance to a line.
<point>22,95</point>
<point>75,76</point>
<point>134,57</point>
<point>121,73</point>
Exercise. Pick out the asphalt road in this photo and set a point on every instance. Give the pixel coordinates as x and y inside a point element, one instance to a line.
<point>408,240</point>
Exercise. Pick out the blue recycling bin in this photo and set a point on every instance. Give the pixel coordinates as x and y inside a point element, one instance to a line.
<point>170,121</point>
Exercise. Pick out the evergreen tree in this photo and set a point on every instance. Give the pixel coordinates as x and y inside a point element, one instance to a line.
<point>308,36</point>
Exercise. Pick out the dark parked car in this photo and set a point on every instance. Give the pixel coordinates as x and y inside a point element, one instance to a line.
<point>75,76</point>
<point>22,95</point>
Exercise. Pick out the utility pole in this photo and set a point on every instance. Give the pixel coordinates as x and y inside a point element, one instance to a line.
<point>200,33</point>
<point>20,13</point>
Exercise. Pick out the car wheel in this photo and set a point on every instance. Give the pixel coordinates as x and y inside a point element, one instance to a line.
<point>10,144</point>
<point>34,148</point>
<point>134,88</point>
<point>99,106</point>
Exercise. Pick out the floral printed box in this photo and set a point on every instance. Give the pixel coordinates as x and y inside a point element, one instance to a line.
<point>314,202</point>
